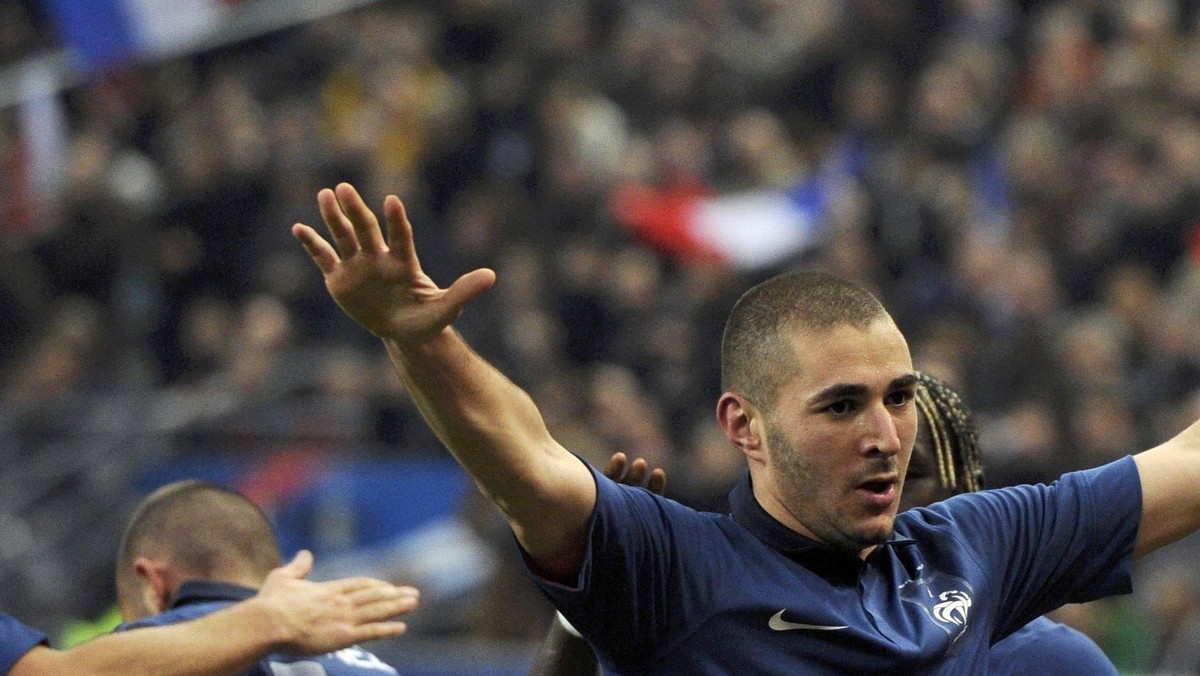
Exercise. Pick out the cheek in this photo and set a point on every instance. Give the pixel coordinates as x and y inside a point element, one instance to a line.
<point>917,493</point>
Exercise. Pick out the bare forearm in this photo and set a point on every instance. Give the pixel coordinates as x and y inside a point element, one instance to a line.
<point>223,643</point>
<point>1170,477</point>
<point>494,429</point>
<point>488,423</point>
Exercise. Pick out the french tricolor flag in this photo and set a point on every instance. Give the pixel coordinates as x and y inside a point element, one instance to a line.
<point>104,33</point>
<point>749,230</point>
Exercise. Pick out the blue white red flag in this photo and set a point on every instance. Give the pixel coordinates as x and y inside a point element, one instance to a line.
<point>104,33</point>
<point>748,230</point>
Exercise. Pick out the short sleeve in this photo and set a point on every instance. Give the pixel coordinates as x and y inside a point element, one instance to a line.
<point>634,596</point>
<point>1067,542</point>
<point>16,639</point>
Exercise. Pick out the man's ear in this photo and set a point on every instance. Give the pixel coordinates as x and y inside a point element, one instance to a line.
<point>157,583</point>
<point>742,424</point>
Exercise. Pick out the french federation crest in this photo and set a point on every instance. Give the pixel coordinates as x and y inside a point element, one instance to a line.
<point>954,607</point>
<point>945,599</point>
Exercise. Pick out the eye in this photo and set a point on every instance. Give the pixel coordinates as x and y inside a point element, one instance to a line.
<point>899,398</point>
<point>841,407</point>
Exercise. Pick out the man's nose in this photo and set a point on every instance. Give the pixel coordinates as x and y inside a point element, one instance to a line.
<point>883,435</point>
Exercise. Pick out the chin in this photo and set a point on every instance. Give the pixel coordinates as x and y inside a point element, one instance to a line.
<point>876,534</point>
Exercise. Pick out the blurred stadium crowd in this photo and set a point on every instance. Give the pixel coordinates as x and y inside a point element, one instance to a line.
<point>1019,181</point>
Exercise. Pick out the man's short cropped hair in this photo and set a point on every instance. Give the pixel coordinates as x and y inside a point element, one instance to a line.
<point>757,357</point>
<point>203,530</point>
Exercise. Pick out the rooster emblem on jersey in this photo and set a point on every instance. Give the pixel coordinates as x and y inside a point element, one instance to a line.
<point>953,607</point>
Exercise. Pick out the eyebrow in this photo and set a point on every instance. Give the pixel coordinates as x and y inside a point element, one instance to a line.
<point>847,390</point>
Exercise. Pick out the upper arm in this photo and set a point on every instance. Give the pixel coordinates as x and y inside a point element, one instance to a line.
<point>550,521</point>
<point>1170,478</point>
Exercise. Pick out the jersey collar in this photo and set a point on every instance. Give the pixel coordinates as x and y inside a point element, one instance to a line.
<point>831,563</point>
<point>205,591</point>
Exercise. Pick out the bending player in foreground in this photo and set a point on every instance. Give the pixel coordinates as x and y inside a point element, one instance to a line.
<point>289,614</point>
<point>193,548</point>
<point>813,571</point>
<point>945,462</point>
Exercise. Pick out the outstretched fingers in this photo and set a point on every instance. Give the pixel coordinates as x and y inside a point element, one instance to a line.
<point>341,230</point>
<point>362,221</point>
<point>399,232</point>
<point>378,606</point>
<point>379,282</point>
<point>322,252</point>
<point>371,600</point>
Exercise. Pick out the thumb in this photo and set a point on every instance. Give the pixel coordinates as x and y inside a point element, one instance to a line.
<point>299,567</point>
<point>469,287</point>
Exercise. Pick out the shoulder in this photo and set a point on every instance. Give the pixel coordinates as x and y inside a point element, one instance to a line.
<point>1093,489</point>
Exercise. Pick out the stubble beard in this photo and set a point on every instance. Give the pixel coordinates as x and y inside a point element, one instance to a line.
<point>800,479</point>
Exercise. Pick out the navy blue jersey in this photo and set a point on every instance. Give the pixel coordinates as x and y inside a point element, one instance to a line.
<point>1047,647</point>
<point>666,589</point>
<point>197,598</point>
<point>16,639</point>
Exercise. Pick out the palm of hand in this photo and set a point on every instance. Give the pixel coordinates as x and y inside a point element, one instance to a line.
<point>378,281</point>
<point>389,299</point>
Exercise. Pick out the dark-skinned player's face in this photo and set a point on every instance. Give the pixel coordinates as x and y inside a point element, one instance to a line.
<point>922,485</point>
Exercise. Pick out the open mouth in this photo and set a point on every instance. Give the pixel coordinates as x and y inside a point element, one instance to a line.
<point>878,492</point>
<point>877,486</point>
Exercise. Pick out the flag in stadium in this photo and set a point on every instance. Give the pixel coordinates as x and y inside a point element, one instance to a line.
<point>751,229</point>
<point>105,33</point>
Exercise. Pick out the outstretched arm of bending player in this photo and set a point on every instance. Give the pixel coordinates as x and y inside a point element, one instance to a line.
<point>1170,476</point>
<point>289,614</point>
<point>490,425</point>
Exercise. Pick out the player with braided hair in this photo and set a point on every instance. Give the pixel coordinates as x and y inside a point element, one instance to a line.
<point>945,458</point>
<point>945,462</point>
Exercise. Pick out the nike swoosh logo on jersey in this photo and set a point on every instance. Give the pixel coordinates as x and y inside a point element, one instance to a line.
<point>779,624</point>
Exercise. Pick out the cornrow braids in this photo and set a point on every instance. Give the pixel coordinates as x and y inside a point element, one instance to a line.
<point>955,440</point>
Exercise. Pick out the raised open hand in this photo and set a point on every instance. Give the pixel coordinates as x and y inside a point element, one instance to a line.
<point>378,281</point>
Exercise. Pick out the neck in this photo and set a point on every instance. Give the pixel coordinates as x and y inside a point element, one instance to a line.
<point>766,496</point>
